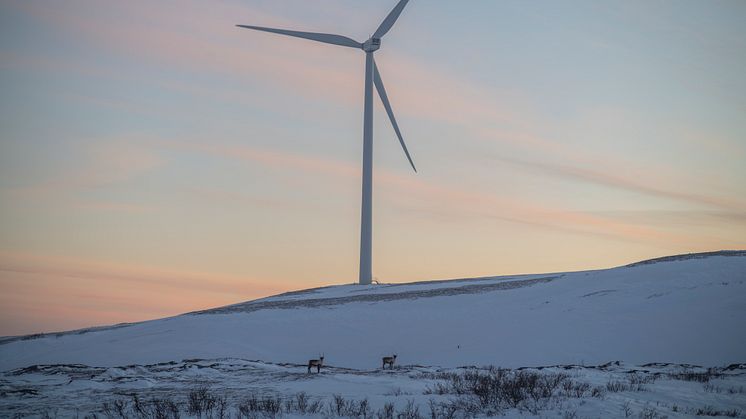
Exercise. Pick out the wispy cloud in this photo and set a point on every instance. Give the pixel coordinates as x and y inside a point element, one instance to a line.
<point>418,90</point>
<point>681,218</point>
<point>270,158</point>
<point>427,194</point>
<point>72,268</point>
<point>626,183</point>
<point>228,197</point>
<point>69,293</point>
<point>101,163</point>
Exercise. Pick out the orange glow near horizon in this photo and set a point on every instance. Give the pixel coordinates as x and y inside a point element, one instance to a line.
<point>43,294</point>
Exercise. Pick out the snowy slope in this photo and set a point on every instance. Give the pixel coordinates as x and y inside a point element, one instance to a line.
<point>679,310</point>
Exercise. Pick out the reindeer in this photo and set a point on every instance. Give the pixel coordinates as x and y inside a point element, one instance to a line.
<point>389,360</point>
<point>318,363</point>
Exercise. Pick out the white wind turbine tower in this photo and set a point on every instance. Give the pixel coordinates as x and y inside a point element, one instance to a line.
<point>372,77</point>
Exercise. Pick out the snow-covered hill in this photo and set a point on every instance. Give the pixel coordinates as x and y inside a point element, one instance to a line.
<point>689,309</point>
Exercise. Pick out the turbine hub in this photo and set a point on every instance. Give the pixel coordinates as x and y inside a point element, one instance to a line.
<point>372,44</point>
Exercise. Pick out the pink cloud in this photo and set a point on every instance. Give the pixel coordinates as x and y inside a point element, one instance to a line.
<point>212,44</point>
<point>103,162</point>
<point>457,199</point>
<point>617,181</point>
<point>68,293</point>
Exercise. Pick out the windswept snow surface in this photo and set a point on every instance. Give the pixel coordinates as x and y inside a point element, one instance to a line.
<point>680,310</point>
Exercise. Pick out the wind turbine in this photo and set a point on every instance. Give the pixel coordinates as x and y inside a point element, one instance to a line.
<point>372,77</point>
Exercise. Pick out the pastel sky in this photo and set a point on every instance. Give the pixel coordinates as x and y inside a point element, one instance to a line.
<point>154,159</point>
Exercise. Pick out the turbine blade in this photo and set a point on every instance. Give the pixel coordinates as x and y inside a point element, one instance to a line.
<point>385,99</point>
<point>320,37</point>
<point>390,19</point>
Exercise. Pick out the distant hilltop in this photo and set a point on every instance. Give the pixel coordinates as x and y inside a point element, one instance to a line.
<point>688,256</point>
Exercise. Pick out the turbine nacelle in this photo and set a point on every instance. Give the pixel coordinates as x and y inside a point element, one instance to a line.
<point>372,44</point>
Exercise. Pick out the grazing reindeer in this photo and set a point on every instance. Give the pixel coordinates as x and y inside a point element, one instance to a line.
<point>389,360</point>
<point>318,363</point>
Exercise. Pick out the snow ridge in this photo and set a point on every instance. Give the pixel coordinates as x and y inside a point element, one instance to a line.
<point>378,297</point>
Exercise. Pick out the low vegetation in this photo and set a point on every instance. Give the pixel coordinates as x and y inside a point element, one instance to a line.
<point>495,390</point>
<point>468,392</point>
<point>202,403</point>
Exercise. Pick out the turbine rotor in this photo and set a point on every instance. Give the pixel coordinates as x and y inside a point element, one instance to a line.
<point>372,44</point>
